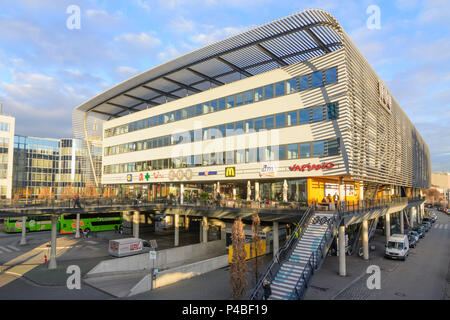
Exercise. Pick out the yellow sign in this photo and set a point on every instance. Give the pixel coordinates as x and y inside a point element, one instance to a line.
<point>260,247</point>
<point>230,172</point>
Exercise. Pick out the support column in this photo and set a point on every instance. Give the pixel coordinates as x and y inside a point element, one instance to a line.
<point>365,239</point>
<point>234,193</point>
<point>341,190</point>
<point>52,261</point>
<point>136,224</point>
<point>387,226</point>
<point>204,230</point>
<point>341,244</point>
<point>181,193</point>
<point>285,191</point>
<point>23,240</point>
<point>402,223</point>
<point>257,196</point>
<point>249,190</point>
<point>417,209</point>
<point>276,238</point>
<point>77,231</point>
<point>177,230</point>
<point>411,218</point>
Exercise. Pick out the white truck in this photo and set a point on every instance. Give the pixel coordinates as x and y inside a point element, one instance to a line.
<point>397,247</point>
<point>127,247</point>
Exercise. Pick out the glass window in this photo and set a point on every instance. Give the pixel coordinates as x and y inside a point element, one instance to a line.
<point>330,75</point>
<point>166,140</point>
<point>221,104</point>
<point>333,147</point>
<point>279,89</point>
<point>239,99</point>
<point>258,94</point>
<point>213,106</point>
<point>305,150</point>
<point>206,134</point>
<point>198,160</point>
<point>318,148</point>
<point>178,115</point>
<point>292,118</point>
<point>291,86</point>
<point>239,127</point>
<point>172,117</point>
<point>332,111</point>
<point>316,79</point>
<point>250,155</point>
<point>222,131</point>
<point>240,156</point>
<point>261,155</point>
<point>230,129</point>
<point>304,116</point>
<point>248,97</point>
<point>149,122</point>
<point>259,124</point>
<point>230,157</point>
<point>205,107</point>
<point>230,102</point>
<point>268,92</point>
<point>191,112</point>
<point>166,118</point>
<point>184,113</point>
<point>292,151</point>
<point>198,135</point>
<point>248,126</point>
<point>198,110</point>
<point>269,122</point>
<point>282,152</point>
<point>317,114</point>
<point>304,82</point>
<point>280,120</point>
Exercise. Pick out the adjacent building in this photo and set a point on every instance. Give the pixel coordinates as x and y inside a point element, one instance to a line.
<point>7,124</point>
<point>287,111</point>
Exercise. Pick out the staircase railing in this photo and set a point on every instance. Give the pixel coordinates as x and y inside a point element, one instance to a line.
<point>315,260</point>
<point>282,255</point>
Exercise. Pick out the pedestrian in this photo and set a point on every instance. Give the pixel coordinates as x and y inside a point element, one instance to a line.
<point>120,229</point>
<point>115,228</point>
<point>267,289</point>
<point>77,201</point>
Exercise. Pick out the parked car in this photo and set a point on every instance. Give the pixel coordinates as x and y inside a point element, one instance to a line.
<point>412,241</point>
<point>427,219</point>
<point>434,217</point>
<point>415,234</point>
<point>420,231</point>
<point>427,225</point>
<point>397,247</point>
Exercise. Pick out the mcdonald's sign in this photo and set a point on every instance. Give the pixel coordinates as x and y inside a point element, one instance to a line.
<point>230,172</point>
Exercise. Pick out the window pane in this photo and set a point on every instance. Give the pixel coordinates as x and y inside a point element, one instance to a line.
<point>178,115</point>
<point>198,109</point>
<point>333,147</point>
<point>205,107</point>
<point>269,122</point>
<point>292,150</point>
<point>317,114</point>
<point>166,118</point>
<point>230,102</point>
<point>239,99</point>
<point>249,96</point>
<point>230,157</point>
<point>280,120</point>
<point>258,94</point>
<point>206,134</point>
<point>240,156</point>
<point>172,117</point>
<point>184,113</point>
<point>239,129</point>
<point>330,76</point>
<point>332,111</point>
<point>292,118</point>
<point>316,79</point>
<point>291,86</point>
<point>213,105</point>
<point>222,130</point>
<point>304,82</point>
<point>305,150</point>
<point>259,124</point>
<point>230,129</point>
<point>222,104</point>
<point>268,91</point>
<point>282,152</point>
<point>248,126</point>
<point>318,149</point>
<point>304,116</point>
<point>198,135</point>
<point>279,89</point>
<point>191,111</point>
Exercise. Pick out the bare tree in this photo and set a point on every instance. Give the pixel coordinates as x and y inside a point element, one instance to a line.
<point>433,194</point>
<point>68,192</point>
<point>256,237</point>
<point>90,191</point>
<point>238,268</point>
<point>46,193</point>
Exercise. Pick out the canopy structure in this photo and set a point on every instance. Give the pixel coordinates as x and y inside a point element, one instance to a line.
<point>286,41</point>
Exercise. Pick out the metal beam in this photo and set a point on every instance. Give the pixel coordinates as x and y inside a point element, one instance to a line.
<point>204,76</point>
<point>149,101</point>
<point>163,93</point>
<point>104,113</point>
<point>185,86</point>
<point>318,41</point>
<point>235,68</point>
<point>271,55</point>
<point>124,107</point>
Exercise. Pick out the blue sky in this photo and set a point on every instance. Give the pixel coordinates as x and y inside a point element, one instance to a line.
<point>46,69</point>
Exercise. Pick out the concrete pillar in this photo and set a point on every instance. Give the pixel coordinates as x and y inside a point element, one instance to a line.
<point>402,223</point>
<point>417,209</point>
<point>285,191</point>
<point>257,195</point>
<point>361,191</point>
<point>276,238</point>
<point>411,218</point>
<point>77,231</point>
<point>387,226</point>
<point>204,230</point>
<point>365,239</point>
<point>177,230</point>
<point>136,217</point>
<point>181,193</point>
<point>341,244</point>
<point>234,193</point>
<point>23,240</point>
<point>52,261</point>
<point>218,187</point>
<point>249,190</point>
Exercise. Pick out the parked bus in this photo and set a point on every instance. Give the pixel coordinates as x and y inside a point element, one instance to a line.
<point>67,223</point>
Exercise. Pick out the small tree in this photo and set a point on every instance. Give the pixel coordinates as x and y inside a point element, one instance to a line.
<point>90,191</point>
<point>256,237</point>
<point>46,193</point>
<point>238,268</point>
<point>433,194</point>
<point>68,192</point>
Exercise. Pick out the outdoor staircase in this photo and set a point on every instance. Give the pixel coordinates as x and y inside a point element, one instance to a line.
<point>291,274</point>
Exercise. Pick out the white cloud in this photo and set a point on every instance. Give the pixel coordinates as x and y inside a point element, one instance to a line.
<point>215,34</point>
<point>142,40</point>
<point>125,72</point>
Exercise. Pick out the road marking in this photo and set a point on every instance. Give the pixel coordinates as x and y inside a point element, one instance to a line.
<point>446,226</point>
<point>440,227</point>
<point>436,225</point>
<point>14,248</point>
<point>5,249</point>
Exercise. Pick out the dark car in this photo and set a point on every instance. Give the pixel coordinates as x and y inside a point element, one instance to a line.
<point>420,231</point>
<point>412,241</point>
<point>428,219</point>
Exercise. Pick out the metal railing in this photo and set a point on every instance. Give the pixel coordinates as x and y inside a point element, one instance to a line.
<point>282,255</point>
<point>348,207</point>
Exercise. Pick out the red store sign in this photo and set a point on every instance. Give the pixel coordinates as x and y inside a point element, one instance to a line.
<point>310,167</point>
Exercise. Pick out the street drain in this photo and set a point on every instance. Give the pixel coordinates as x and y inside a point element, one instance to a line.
<point>400,294</point>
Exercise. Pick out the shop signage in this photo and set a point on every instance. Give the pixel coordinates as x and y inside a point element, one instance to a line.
<point>230,172</point>
<point>129,178</point>
<point>180,174</point>
<point>310,167</point>
<point>268,171</point>
<point>207,173</point>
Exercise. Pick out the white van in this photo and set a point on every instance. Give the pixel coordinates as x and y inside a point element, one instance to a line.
<point>397,247</point>
<point>127,247</point>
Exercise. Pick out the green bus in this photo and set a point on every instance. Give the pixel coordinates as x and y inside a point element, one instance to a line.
<point>67,223</point>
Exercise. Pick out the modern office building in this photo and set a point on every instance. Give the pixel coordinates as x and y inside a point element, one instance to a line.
<point>287,111</point>
<point>7,124</point>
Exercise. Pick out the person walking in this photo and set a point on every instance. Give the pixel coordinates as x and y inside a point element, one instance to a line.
<point>267,289</point>
<point>76,201</point>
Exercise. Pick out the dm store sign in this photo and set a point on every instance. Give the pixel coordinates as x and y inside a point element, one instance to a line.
<point>268,171</point>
